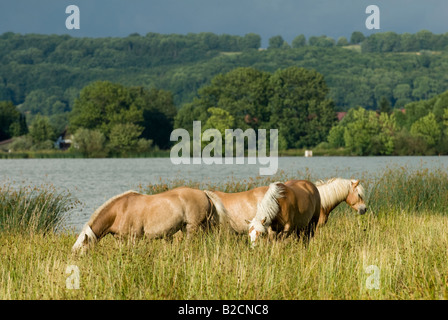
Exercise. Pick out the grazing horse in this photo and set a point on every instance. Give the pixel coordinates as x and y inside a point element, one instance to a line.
<point>242,206</point>
<point>155,216</point>
<point>298,210</point>
<point>334,191</point>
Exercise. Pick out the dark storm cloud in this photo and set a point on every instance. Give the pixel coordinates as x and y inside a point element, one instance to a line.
<point>265,17</point>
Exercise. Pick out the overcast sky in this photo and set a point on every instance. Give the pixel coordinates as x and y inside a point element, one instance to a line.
<point>288,18</point>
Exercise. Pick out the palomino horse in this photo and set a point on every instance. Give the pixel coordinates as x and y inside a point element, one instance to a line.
<point>298,210</point>
<point>242,206</point>
<point>334,191</point>
<point>155,216</point>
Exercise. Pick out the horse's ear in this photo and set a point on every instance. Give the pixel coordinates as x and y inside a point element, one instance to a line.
<point>355,184</point>
<point>263,221</point>
<point>86,239</point>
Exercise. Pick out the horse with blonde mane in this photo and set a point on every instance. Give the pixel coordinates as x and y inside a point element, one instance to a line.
<point>154,216</point>
<point>337,190</point>
<point>242,206</point>
<point>298,210</point>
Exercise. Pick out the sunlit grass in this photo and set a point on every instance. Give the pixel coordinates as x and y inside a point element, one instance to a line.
<point>33,208</point>
<point>403,235</point>
<point>409,250</point>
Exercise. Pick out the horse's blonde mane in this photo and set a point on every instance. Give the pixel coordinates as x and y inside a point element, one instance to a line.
<point>268,207</point>
<point>108,202</point>
<point>335,190</point>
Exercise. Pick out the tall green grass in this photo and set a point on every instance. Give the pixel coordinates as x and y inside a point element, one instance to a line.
<point>409,251</point>
<point>404,234</point>
<point>422,190</point>
<point>28,209</point>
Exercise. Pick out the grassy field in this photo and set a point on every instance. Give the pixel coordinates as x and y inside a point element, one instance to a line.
<point>398,250</point>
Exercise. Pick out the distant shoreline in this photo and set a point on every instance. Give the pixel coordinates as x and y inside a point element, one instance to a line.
<point>166,154</point>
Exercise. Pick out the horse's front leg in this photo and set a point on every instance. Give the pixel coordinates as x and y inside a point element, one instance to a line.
<point>271,233</point>
<point>286,231</point>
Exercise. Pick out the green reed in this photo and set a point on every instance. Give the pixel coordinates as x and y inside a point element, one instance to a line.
<point>33,209</point>
<point>422,190</point>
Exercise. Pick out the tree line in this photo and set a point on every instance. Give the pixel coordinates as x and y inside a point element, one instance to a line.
<point>112,119</point>
<point>44,73</point>
<point>421,128</point>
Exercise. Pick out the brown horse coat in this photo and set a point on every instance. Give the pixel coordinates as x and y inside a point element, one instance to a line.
<point>298,210</point>
<point>241,206</point>
<point>160,215</point>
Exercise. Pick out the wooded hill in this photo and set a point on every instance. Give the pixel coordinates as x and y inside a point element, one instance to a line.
<point>44,73</point>
<point>160,82</point>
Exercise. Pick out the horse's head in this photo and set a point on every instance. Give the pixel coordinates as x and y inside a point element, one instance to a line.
<point>355,198</point>
<point>85,239</point>
<point>256,228</point>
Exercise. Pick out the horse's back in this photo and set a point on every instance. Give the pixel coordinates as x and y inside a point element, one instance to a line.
<point>160,214</point>
<point>308,198</point>
<point>304,188</point>
<point>241,206</point>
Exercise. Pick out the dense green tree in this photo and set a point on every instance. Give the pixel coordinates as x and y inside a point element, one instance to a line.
<point>342,41</point>
<point>219,119</point>
<point>370,133</point>
<point>41,129</point>
<point>359,133</point>
<point>251,41</point>
<point>402,94</point>
<point>406,144</point>
<point>22,143</point>
<point>336,136</point>
<point>299,41</point>
<point>12,121</point>
<point>124,137</point>
<point>428,129</point>
<point>195,111</point>
<point>90,143</point>
<point>292,100</point>
<point>276,42</point>
<point>299,108</point>
<point>158,114</point>
<point>357,37</point>
<point>382,92</point>
<point>103,104</point>
<point>384,141</point>
<point>242,92</point>
<point>322,41</point>
<point>384,106</point>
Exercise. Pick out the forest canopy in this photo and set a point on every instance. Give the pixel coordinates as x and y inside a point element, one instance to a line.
<point>149,84</point>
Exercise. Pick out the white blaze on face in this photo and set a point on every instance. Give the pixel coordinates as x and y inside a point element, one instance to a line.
<point>253,234</point>
<point>86,237</point>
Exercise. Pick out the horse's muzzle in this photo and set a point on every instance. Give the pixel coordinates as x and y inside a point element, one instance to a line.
<point>362,209</point>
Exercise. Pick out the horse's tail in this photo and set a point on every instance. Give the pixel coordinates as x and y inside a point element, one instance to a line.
<point>220,209</point>
<point>268,207</point>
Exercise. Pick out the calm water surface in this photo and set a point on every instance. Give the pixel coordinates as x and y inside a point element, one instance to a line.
<point>93,181</point>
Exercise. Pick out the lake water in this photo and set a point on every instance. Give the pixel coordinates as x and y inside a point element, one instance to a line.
<point>93,181</point>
